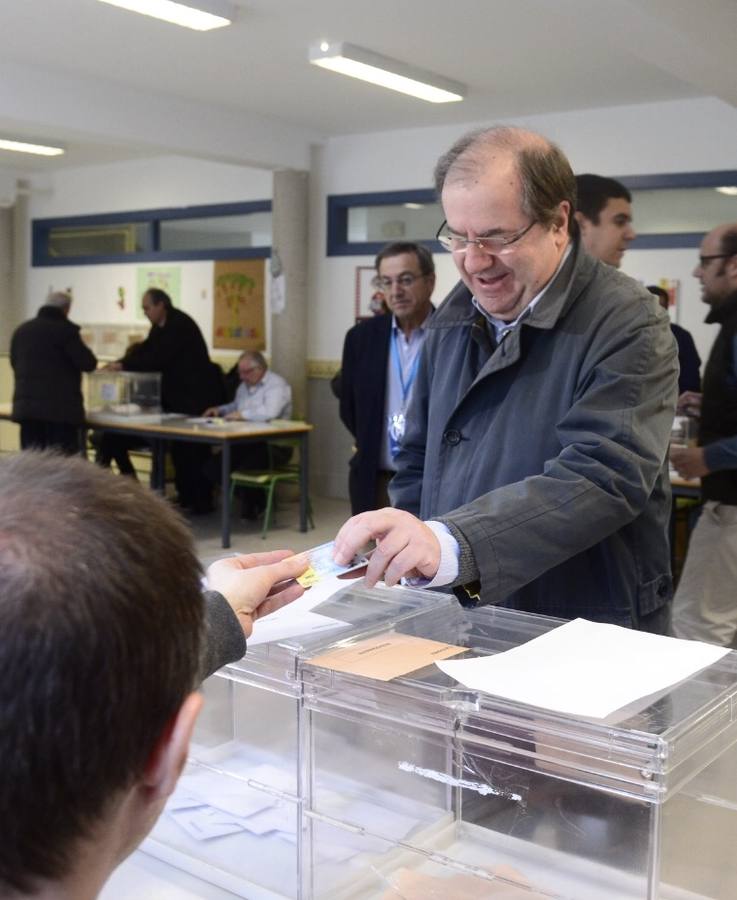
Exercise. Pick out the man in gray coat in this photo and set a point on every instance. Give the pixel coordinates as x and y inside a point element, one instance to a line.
<point>532,474</point>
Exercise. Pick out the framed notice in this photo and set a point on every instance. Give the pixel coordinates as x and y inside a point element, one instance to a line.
<point>370,300</point>
<point>238,305</point>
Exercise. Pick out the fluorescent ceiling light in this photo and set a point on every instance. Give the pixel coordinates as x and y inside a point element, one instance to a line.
<point>389,73</point>
<point>26,147</point>
<point>202,15</point>
<point>730,191</point>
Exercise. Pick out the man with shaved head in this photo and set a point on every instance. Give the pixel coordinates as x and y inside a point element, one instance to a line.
<point>48,357</point>
<point>532,473</point>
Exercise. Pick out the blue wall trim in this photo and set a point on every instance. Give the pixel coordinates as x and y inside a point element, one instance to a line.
<point>339,204</point>
<point>40,229</point>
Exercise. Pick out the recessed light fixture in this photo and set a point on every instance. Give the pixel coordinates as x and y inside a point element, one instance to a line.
<point>389,73</point>
<point>729,190</point>
<point>202,15</point>
<point>27,147</point>
<point>414,205</point>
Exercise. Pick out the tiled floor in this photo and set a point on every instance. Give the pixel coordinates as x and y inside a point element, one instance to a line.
<point>328,514</point>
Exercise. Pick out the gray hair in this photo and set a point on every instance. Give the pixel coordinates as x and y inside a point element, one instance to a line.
<point>258,359</point>
<point>545,174</point>
<point>59,299</point>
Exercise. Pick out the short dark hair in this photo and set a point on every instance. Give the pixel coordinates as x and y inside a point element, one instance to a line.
<point>158,296</point>
<point>101,617</point>
<point>545,174</point>
<point>594,191</point>
<point>729,242</point>
<point>661,293</point>
<point>397,248</point>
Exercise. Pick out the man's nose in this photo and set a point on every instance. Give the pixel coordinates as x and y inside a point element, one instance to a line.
<point>476,260</point>
<point>629,233</point>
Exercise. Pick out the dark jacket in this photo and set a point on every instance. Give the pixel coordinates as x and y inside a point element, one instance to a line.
<point>719,401</point>
<point>189,381</point>
<point>547,460</point>
<point>362,393</point>
<point>689,361</point>
<point>48,357</point>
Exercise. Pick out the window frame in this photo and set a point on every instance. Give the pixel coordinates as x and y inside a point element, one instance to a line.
<point>338,206</point>
<point>152,218</point>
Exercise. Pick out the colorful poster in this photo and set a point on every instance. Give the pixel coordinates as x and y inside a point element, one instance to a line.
<point>168,278</point>
<point>238,307</point>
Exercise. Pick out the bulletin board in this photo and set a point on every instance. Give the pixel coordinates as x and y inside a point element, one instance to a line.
<point>239,321</point>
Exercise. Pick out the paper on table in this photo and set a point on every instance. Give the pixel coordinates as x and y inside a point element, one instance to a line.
<point>585,668</point>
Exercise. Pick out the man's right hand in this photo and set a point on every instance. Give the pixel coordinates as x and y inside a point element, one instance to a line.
<point>211,412</point>
<point>689,404</point>
<point>258,583</point>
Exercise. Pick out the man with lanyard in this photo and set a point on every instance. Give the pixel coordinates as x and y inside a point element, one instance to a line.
<point>380,361</point>
<point>532,471</point>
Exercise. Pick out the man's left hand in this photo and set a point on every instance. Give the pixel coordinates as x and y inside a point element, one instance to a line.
<point>257,584</point>
<point>689,462</point>
<point>404,545</point>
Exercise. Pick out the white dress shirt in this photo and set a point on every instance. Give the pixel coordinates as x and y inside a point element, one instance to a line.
<point>271,398</point>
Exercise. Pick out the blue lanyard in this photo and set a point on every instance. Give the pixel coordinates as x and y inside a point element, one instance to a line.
<point>405,386</point>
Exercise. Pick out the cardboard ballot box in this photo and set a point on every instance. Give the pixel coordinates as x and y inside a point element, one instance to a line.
<point>418,787</point>
<point>236,818</point>
<point>124,393</point>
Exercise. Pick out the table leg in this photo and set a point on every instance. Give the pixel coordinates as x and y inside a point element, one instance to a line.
<point>158,469</point>
<point>225,493</point>
<point>303,481</point>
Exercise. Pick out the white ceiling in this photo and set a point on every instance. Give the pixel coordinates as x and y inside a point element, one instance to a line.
<point>518,57</point>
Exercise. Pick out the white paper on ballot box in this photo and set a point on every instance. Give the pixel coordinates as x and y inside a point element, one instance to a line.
<point>585,668</point>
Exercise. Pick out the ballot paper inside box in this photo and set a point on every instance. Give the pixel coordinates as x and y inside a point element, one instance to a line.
<point>236,816</point>
<point>432,783</point>
<point>123,393</point>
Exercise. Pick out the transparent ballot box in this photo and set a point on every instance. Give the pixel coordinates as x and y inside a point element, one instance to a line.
<point>124,393</point>
<point>235,817</point>
<point>418,787</point>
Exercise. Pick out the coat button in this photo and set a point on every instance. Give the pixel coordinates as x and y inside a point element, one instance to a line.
<point>452,437</point>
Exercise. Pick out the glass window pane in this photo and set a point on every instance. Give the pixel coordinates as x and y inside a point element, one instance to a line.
<point>395,222</point>
<point>216,232</point>
<point>98,240</point>
<point>674,210</point>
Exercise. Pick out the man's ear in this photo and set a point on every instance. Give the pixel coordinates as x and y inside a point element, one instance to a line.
<point>170,753</point>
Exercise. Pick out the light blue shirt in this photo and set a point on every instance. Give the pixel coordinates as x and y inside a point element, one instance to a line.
<point>408,353</point>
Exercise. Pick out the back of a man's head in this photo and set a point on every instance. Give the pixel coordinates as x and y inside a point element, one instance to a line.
<point>59,299</point>
<point>101,620</point>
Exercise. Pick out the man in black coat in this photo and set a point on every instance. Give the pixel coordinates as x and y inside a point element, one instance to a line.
<point>48,357</point>
<point>380,357</point>
<point>190,383</point>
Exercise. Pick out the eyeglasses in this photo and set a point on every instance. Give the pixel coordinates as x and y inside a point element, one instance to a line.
<point>406,281</point>
<point>706,259</point>
<point>456,243</point>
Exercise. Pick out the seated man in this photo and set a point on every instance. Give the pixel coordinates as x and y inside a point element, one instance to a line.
<point>105,637</point>
<point>262,395</point>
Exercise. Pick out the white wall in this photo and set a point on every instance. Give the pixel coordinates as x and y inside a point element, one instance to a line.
<point>167,181</point>
<point>678,136</point>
